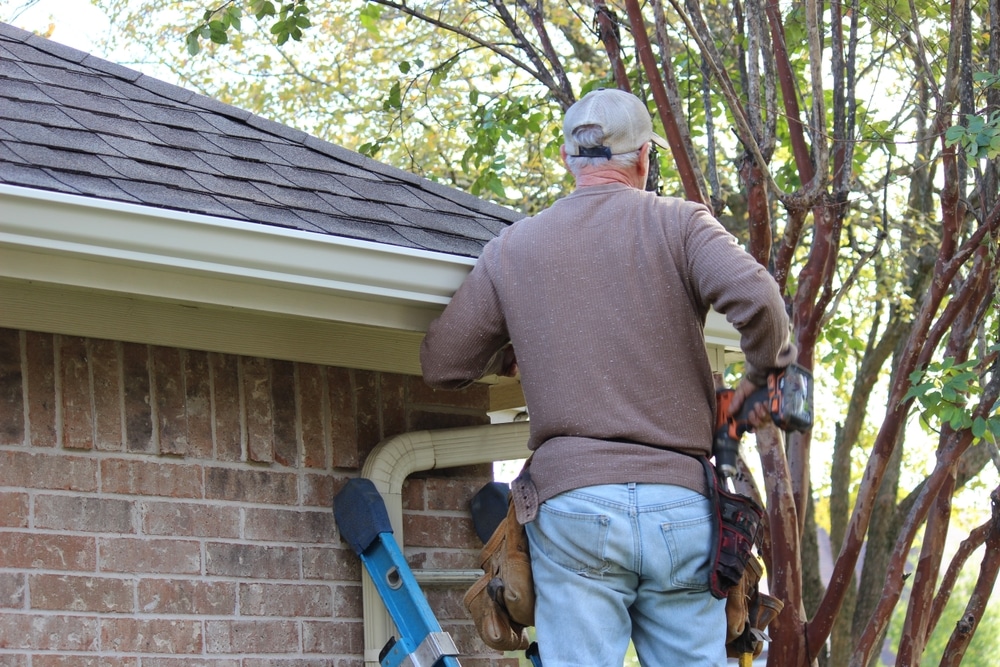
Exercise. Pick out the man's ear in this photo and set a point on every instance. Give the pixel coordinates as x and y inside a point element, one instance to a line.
<point>642,164</point>
<point>562,154</point>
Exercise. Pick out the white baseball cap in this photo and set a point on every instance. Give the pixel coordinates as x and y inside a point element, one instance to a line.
<point>622,116</point>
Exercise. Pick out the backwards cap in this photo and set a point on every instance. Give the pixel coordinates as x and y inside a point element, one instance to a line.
<point>621,115</point>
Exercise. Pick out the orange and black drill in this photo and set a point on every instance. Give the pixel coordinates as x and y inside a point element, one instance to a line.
<point>789,397</point>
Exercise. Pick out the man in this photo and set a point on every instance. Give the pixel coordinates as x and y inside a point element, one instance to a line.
<point>604,297</point>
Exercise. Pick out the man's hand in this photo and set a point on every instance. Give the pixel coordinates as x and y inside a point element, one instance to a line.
<point>508,368</point>
<point>761,414</point>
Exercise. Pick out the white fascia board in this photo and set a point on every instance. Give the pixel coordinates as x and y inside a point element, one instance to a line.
<point>150,252</point>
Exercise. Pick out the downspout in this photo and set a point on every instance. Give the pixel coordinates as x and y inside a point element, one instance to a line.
<point>388,466</point>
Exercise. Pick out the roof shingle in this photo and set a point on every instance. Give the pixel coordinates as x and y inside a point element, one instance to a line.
<point>76,124</point>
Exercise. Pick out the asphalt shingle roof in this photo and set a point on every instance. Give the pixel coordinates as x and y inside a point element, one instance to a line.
<point>80,125</point>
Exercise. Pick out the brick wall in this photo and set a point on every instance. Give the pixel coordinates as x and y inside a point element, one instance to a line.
<point>171,508</point>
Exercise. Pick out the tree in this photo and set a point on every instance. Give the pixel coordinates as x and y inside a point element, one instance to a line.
<point>863,140</point>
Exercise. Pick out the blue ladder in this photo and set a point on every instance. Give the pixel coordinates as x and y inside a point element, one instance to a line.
<point>364,523</point>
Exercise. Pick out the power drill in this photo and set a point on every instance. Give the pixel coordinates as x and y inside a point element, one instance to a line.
<point>789,397</point>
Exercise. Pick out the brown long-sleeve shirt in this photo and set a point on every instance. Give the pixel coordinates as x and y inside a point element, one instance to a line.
<point>604,297</point>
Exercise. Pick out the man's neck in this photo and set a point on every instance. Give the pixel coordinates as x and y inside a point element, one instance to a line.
<point>603,177</point>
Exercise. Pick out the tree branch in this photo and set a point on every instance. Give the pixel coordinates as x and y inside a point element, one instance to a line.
<point>683,159</point>
<point>541,74</point>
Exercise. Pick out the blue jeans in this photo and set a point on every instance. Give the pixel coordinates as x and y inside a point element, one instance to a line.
<point>617,561</point>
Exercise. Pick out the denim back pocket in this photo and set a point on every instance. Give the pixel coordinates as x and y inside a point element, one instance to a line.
<point>576,541</point>
<point>689,544</point>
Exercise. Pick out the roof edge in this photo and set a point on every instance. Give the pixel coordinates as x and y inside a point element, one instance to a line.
<point>146,251</point>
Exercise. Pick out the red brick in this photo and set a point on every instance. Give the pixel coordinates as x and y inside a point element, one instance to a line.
<point>168,389</point>
<point>190,520</point>
<point>191,662</point>
<point>11,590</point>
<point>226,391</point>
<point>198,404</point>
<point>452,494</point>
<point>32,470</point>
<point>423,530</point>
<point>251,486</point>
<point>347,601</point>
<point>14,660</point>
<point>287,600</point>
<point>82,661</point>
<point>476,396</point>
<point>48,552</point>
<point>187,596</point>
<point>62,592</point>
<point>318,490</point>
<point>256,376</point>
<point>330,564</point>
<point>311,392</point>
<point>77,409</point>
<point>426,420</point>
<point>106,368</point>
<point>251,637</point>
<point>140,635</point>
<point>286,444</point>
<point>151,478</point>
<point>333,637</point>
<point>11,388</point>
<point>160,556</point>
<point>467,640</point>
<point>367,413</point>
<point>393,393</point>
<point>41,380</point>
<point>85,514</point>
<point>342,427</point>
<point>306,662</point>
<point>48,633</point>
<point>138,398</point>
<point>251,561</point>
<point>267,525</point>
<point>414,494</point>
<point>13,509</point>
<point>461,559</point>
<point>447,603</point>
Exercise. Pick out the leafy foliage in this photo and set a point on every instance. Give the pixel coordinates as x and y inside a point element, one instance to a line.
<point>944,390</point>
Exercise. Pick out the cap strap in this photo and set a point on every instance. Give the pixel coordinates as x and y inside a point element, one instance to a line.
<point>593,151</point>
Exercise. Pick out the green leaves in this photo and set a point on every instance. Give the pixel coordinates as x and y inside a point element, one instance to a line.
<point>215,26</point>
<point>291,19</point>
<point>369,16</point>
<point>944,390</point>
<point>979,137</point>
<point>495,123</point>
<point>839,333</point>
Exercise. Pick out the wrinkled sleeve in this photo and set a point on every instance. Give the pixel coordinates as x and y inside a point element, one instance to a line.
<point>730,280</point>
<point>467,341</point>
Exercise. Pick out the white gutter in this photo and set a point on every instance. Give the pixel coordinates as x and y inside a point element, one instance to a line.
<point>394,459</point>
<point>150,252</point>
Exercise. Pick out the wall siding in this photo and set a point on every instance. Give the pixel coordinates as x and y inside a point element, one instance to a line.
<point>162,507</point>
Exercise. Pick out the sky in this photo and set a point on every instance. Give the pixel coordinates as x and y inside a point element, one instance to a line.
<point>77,22</point>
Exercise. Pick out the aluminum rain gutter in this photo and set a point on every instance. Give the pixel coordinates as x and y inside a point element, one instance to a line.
<point>394,459</point>
<point>150,252</point>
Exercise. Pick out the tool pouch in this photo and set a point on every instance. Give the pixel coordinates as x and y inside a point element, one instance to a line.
<point>748,613</point>
<point>738,525</point>
<point>740,519</point>
<point>502,601</point>
<point>737,571</point>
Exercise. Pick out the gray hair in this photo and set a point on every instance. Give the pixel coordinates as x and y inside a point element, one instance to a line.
<point>593,135</point>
